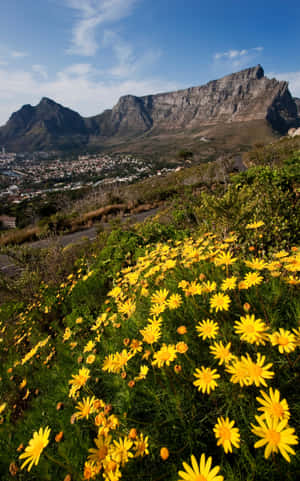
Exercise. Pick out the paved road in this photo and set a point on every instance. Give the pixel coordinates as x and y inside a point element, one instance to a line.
<point>8,267</point>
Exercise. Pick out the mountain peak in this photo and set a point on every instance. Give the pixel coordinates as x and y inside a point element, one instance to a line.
<point>46,100</point>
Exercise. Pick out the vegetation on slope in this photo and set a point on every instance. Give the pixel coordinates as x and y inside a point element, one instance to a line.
<point>137,357</point>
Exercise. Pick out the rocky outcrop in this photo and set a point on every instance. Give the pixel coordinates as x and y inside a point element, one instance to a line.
<point>246,96</point>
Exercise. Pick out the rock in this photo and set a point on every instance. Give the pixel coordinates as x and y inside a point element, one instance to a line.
<point>291,132</point>
<point>296,132</point>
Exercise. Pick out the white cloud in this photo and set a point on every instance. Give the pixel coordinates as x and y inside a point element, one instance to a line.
<point>89,15</point>
<point>77,87</point>
<point>234,54</point>
<point>18,54</point>
<point>292,77</point>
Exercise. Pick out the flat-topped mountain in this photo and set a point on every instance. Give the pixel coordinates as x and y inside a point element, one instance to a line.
<point>246,97</point>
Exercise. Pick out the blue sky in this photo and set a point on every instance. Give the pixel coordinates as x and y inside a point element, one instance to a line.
<point>85,54</point>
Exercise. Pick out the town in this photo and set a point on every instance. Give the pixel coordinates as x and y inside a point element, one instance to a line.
<point>25,176</point>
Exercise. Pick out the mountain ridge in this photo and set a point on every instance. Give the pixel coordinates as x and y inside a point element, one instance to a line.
<point>245,96</point>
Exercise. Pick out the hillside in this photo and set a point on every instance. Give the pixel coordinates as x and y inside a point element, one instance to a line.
<point>245,101</point>
<point>178,337</point>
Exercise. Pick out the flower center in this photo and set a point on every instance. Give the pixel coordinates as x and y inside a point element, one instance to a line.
<point>207,377</point>
<point>224,353</point>
<point>273,437</point>
<point>277,410</point>
<point>249,329</point>
<point>225,433</point>
<point>283,341</point>
<point>164,356</point>
<point>38,448</point>
<point>256,371</point>
<point>102,452</point>
<point>200,477</point>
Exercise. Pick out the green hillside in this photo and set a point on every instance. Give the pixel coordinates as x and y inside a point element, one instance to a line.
<point>164,343</point>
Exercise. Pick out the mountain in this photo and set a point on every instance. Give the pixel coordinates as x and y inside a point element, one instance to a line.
<point>245,106</point>
<point>44,127</point>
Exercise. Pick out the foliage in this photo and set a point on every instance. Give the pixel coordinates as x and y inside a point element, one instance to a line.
<point>133,317</point>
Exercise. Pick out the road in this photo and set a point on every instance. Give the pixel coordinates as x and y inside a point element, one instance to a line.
<point>8,266</point>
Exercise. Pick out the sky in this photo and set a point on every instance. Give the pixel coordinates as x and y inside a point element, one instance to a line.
<point>85,54</point>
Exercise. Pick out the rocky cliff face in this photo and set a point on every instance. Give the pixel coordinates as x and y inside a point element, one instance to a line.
<point>246,96</point>
<point>241,97</point>
<point>297,102</point>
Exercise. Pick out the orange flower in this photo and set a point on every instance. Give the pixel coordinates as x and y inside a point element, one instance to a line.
<point>132,433</point>
<point>164,453</point>
<point>59,436</point>
<point>181,347</point>
<point>177,368</point>
<point>182,330</point>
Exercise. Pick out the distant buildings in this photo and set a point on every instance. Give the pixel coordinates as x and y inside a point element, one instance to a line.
<point>7,222</point>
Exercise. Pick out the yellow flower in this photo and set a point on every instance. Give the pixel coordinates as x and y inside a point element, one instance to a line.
<point>23,384</point>
<point>251,330</point>
<point>136,346</point>
<point>90,470</point>
<point>229,283</point>
<point>165,355</point>
<point>157,309</point>
<point>89,346</point>
<point>256,264</point>
<point>159,297</point>
<point>225,258</point>
<point>226,434</point>
<point>182,330</point>
<point>272,405</point>
<point>2,407</point>
<point>103,445</point>
<point>284,339</point>
<point>281,254</point>
<point>275,435</point>
<point>221,352</point>
<point>239,373</point>
<point>193,289</point>
<point>174,301</point>
<point>209,286</point>
<point>257,372</point>
<point>127,307</point>
<point>201,472</point>
<point>81,378</point>
<point>252,279</point>
<point>141,446</point>
<point>85,408</point>
<point>90,359</point>
<point>255,225</point>
<point>143,373</point>
<point>207,329</point>
<point>206,379</point>
<point>220,302</point>
<point>121,451</point>
<point>67,334</point>
<point>151,333</point>
<point>36,445</point>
